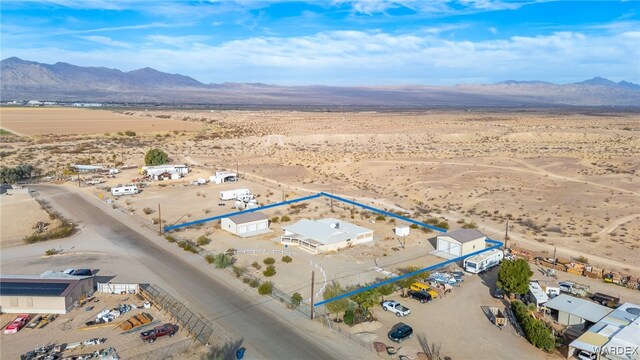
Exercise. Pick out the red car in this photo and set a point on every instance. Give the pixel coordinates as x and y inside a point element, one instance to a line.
<point>17,324</point>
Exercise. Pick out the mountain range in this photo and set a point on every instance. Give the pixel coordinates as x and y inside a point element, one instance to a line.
<point>24,80</point>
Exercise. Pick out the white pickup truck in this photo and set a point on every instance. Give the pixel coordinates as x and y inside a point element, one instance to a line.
<point>396,308</point>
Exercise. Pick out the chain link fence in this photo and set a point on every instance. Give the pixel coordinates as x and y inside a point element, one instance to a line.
<point>187,319</point>
<point>343,330</point>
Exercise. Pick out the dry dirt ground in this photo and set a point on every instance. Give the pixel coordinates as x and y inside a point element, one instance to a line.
<point>40,121</point>
<point>19,212</point>
<point>563,178</point>
<point>70,328</point>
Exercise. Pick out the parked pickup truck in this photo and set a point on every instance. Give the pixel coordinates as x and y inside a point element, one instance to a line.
<point>159,331</point>
<point>396,308</point>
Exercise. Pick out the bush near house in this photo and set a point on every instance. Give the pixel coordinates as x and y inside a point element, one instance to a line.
<point>269,261</point>
<point>537,332</point>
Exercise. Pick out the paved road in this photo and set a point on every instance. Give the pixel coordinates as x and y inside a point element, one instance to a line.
<point>266,334</point>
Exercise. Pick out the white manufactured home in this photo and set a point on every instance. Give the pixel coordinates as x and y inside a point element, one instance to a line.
<point>325,235</point>
<point>124,190</point>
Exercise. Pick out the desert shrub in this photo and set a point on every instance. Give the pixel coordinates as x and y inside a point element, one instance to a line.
<point>266,288</point>
<point>470,225</point>
<point>349,316</point>
<point>269,261</point>
<point>239,270</point>
<point>287,259</point>
<point>270,271</point>
<point>223,261</point>
<point>296,299</point>
<point>380,218</point>
<point>52,251</point>
<point>413,226</point>
<point>203,240</point>
<point>254,283</point>
<point>170,238</point>
<point>210,258</point>
<point>188,246</point>
<point>583,259</point>
<point>246,280</point>
<point>256,265</point>
<point>130,133</point>
<point>275,219</point>
<point>65,229</point>
<point>285,218</point>
<point>147,211</point>
<point>536,331</point>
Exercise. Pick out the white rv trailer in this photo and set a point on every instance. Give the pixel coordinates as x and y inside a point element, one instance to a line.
<point>483,262</point>
<point>234,194</point>
<point>124,190</point>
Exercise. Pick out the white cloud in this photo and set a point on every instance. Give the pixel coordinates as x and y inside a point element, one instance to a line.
<point>104,40</point>
<point>493,30</point>
<point>376,57</point>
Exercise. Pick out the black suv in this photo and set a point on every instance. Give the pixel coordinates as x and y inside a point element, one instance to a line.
<point>400,332</point>
<point>421,296</point>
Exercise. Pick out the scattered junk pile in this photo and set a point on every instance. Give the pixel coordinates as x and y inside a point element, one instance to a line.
<point>244,199</point>
<point>446,278</point>
<point>40,321</point>
<point>64,351</point>
<point>108,315</point>
<point>579,268</point>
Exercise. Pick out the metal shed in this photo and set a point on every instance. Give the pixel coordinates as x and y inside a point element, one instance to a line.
<point>245,225</point>
<point>460,242</point>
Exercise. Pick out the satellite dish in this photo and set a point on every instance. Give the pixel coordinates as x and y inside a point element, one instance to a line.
<point>633,311</point>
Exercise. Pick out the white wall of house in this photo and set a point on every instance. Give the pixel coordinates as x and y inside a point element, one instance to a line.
<point>239,229</point>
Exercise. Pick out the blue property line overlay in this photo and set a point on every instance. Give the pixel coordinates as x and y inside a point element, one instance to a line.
<point>497,245</point>
<point>382,212</point>
<point>201,221</point>
<point>331,196</point>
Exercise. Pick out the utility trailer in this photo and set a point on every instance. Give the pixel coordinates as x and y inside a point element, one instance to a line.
<point>497,317</point>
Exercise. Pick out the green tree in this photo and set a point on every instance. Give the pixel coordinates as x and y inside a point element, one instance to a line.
<point>156,157</point>
<point>296,299</point>
<point>385,290</point>
<point>364,299</point>
<point>332,290</point>
<point>406,282</point>
<point>514,276</point>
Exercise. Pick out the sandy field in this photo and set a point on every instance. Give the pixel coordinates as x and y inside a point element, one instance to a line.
<point>40,121</point>
<point>561,178</point>
<point>19,213</point>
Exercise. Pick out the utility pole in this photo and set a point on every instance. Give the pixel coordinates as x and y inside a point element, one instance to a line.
<point>554,255</point>
<point>506,235</point>
<point>78,177</point>
<point>159,220</point>
<point>238,169</point>
<point>312,279</point>
<point>331,199</point>
<point>283,196</point>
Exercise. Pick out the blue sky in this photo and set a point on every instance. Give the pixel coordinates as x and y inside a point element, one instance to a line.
<point>335,42</point>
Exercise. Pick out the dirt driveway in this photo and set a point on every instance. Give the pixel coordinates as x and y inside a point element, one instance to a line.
<point>457,324</point>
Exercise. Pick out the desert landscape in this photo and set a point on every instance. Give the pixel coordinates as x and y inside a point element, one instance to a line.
<point>561,178</point>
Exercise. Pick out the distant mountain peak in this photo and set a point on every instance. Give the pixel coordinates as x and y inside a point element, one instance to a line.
<point>597,81</point>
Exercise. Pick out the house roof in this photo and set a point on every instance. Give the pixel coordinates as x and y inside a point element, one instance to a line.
<point>248,217</point>
<point>582,308</point>
<point>49,283</point>
<point>464,235</point>
<point>345,226</point>
<point>615,329</point>
<point>322,232</point>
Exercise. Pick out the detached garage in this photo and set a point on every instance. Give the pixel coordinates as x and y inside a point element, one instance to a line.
<point>459,243</point>
<point>51,292</point>
<point>245,225</point>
